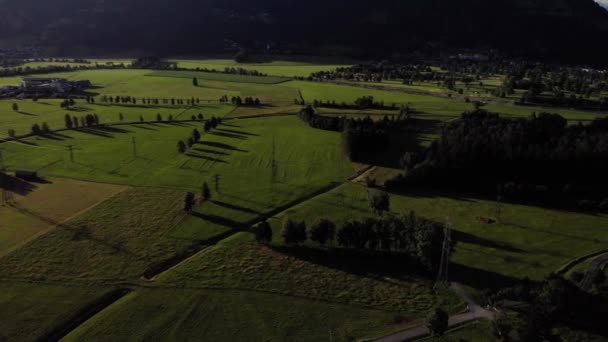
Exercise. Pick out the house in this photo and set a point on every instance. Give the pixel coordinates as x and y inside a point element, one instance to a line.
<point>52,86</point>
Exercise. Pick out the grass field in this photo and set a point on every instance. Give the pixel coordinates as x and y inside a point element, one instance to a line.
<point>240,263</point>
<point>228,315</point>
<point>118,240</point>
<point>29,311</point>
<point>274,68</point>
<point>240,151</point>
<point>427,107</point>
<point>528,242</point>
<point>235,289</point>
<point>46,206</point>
<point>210,76</point>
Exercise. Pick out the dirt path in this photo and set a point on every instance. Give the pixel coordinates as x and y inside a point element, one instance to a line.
<point>474,313</point>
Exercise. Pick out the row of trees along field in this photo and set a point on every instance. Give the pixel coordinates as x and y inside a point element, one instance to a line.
<point>195,136</point>
<point>48,69</point>
<point>536,158</point>
<point>543,84</point>
<point>360,136</point>
<point>418,239</point>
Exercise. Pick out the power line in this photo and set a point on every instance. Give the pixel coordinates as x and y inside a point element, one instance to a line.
<point>446,249</point>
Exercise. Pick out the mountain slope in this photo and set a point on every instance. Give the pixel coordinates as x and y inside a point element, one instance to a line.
<point>565,27</point>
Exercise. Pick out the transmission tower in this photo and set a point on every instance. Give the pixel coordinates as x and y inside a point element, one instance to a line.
<point>274,169</point>
<point>446,249</point>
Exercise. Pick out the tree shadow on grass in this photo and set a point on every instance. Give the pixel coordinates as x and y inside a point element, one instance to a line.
<point>206,158</point>
<point>143,127</point>
<point>222,145</point>
<point>381,266</point>
<point>235,207</point>
<point>229,135</point>
<point>476,240</point>
<point>16,185</point>
<point>211,151</point>
<point>232,131</point>
<point>477,278</point>
<point>219,220</point>
<point>26,113</point>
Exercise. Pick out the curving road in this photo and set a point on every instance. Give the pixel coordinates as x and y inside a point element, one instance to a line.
<point>474,313</point>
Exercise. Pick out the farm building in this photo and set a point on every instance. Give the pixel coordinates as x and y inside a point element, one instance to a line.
<point>58,86</point>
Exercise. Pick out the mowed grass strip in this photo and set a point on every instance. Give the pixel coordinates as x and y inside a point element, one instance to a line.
<point>212,76</point>
<point>30,311</point>
<point>117,240</point>
<point>227,315</point>
<point>44,206</point>
<point>240,263</point>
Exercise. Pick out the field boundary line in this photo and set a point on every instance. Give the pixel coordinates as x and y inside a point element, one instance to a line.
<point>63,222</point>
<point>571,264</point>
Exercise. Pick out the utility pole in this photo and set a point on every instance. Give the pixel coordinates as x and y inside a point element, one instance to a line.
<point>134,147</point>
<point>71,149</point>
<point>442,275</point>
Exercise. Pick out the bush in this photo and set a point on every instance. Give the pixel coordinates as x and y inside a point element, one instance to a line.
<point>322,230</point>
<point>263,232</point>
<point>293,233</point>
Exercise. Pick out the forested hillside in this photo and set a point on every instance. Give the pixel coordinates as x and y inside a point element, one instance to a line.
<point>557,28</point>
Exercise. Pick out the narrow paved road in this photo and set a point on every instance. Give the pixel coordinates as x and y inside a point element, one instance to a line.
<point>596,265</point>
<point>474,313</point>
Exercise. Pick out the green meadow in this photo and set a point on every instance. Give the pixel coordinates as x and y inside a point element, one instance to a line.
<point>527,242</point>
<point>202,275</point>
<point>229,315</point>
<point>287,68</point>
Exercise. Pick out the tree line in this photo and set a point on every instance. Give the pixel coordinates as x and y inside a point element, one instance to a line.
<point>540,158</point>
<point>360,136</point>
<point>195,136</point>
<point>417,238</point>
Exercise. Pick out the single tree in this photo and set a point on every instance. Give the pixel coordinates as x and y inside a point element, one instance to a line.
<point>263,232</point>
<point>189,202</point>
<point>15,107</point>
<point>45,128</point>
<point>121,117</point>
<point>437,322</point>
<point>293,233</point>
<point>159,117</point>
<point>195,82</point>
<point>196,135</point>
<point>322,230</point>
<point>11,133</point>
<point>68,121</point>
<point>181,147</point>
<point>379,201</point>
<point>190,142</point>
<point>206,192</point>
<point>36,129</point>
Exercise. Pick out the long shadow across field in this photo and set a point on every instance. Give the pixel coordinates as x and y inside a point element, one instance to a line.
<point>222,146</point>
<point>15,185</point>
